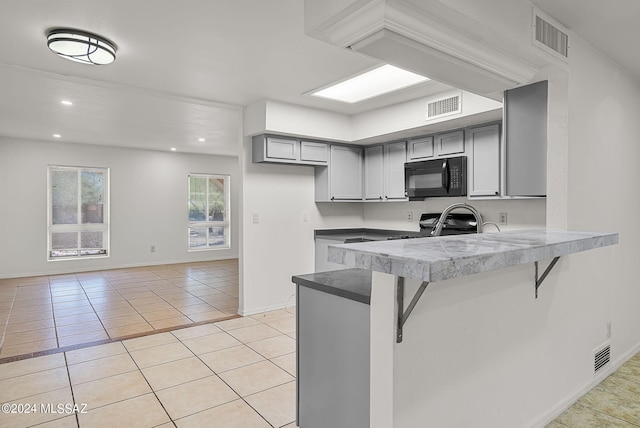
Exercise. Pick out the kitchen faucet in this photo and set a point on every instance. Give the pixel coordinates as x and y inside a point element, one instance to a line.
<point>443,217</point>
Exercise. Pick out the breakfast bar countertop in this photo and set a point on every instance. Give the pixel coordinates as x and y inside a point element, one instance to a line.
<point>444,257</point>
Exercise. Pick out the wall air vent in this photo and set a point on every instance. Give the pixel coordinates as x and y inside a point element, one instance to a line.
<point>444,106</point>
<point>550,36</point>
<point>601,358</point>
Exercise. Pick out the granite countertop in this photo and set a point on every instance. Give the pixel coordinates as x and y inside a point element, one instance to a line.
<point>445,257</point>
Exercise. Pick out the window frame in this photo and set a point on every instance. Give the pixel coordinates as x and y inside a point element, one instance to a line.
<point>225,223</point>
<point>104,227</point>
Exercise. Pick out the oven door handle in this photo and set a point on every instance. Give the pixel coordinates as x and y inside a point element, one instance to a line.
<point>445,175</point>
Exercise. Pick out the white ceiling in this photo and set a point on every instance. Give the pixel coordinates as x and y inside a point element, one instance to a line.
<point>185,69</point>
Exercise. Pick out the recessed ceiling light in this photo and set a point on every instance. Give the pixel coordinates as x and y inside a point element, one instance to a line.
<point>373,83</point>
<point>81,46</point>
<point>66,103</point>
<point>57,136</point>
<point>173,149</point>
<point>202,140</point>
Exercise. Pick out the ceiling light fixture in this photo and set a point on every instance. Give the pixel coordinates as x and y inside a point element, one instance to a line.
<point>57,136</point>
<point>66,103</point>
<point>202,140</point>
<point>372,83</point>
<point>173,149</point>
<point>81,46</point>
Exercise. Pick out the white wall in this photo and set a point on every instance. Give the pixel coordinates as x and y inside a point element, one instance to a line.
<point>281,244</point>
<point>148,205</point>
<point>488,347</point>
<point>604,136</point>
<point>412,114</point>
<point>521,213</point>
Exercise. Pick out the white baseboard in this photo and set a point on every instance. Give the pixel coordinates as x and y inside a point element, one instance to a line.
<point>263,309</point>
<point>50,272</point>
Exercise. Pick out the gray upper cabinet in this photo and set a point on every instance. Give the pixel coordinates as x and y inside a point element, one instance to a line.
<point>373,173</point>
<point>450,143</point>
<point>483,163</point>
<point>394,159</point>
<point>276,149</point>
<point>282,148</point>
<point>525,117</point>
<point>341,180</point>
<point>384,172</point>
<point>419,148</point>
<point>311,151</point>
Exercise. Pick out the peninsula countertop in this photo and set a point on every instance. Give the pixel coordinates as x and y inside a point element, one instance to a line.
<point>444,257</point>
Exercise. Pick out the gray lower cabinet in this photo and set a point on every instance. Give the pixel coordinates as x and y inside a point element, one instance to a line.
<point>333,342</point>
<point>341,180</point>
<point>483,162</point>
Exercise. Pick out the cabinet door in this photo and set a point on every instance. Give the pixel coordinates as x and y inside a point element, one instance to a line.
<point>394,159</point>
<point>373,173</point>
<point>525,112</point>
<point>450,143</point>
<point>312,151</point>
<point>346,173</point>
<point>420,148</point>
<point>484,160</point>
<point>282,148</point>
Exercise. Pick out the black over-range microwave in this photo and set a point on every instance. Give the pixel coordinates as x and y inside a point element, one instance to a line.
<point>436,177</point>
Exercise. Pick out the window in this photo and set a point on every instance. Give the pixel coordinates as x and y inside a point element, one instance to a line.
<point>208,212</point>
<point>78,212</point>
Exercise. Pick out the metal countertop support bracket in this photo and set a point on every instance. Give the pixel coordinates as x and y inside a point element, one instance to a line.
<point>545,273</point>
<point>402,314</point>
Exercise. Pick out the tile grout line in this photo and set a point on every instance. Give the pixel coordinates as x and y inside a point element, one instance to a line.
<point>53,311</point>
<point>147,381</point>
<point>73,397</point>
<point>229,386</point>
<point>6,324</point>
<point>93,308</point>
<point>107,341</point>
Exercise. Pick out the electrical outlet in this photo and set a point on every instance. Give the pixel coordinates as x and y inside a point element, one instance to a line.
<point>608,329</point>
<point>153,248</point>
<point>503,219</point>
<point>256,218</point>
<point>305,216</point>
<point>409,216</point>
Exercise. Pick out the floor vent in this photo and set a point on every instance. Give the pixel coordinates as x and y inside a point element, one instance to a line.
<point>550,37</point>
<point>601,358</point>
<point>444,106</point>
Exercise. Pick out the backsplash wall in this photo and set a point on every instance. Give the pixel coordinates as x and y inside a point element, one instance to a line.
<point>521,213</point>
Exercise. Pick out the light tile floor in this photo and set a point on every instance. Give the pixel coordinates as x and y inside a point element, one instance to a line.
<point>235,373</point>
<point>614,403</point>
<point>49,312</point>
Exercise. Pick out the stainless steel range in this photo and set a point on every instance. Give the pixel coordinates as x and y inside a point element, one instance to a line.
<point>455,224</point>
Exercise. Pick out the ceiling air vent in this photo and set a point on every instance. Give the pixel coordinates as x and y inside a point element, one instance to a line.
<point>444,106</point>
<point>550,36</point>
<point>601,358</point>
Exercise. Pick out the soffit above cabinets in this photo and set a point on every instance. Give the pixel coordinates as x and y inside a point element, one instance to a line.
<point>435,38</point>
